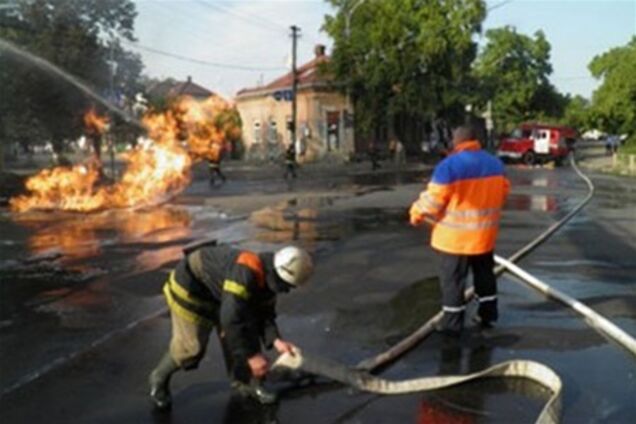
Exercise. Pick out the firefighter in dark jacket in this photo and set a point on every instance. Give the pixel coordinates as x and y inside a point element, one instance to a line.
<point>235,292</point>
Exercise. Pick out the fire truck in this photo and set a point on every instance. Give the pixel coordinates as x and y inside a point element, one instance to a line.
<point>533,143</point>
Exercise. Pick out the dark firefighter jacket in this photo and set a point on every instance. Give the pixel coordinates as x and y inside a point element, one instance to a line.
<point>219,285</point>
<point>290,156</point>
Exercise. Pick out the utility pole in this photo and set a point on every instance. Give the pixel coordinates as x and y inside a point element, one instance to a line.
<point>295,34</point>
<point>489,125</point>
<point>111,89</point>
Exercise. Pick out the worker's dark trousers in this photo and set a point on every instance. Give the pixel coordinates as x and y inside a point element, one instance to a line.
<point>290,169</point>
<point>452,274</point>
<point>375,164</point>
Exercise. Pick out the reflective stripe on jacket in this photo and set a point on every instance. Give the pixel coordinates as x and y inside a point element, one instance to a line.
<point>225,287</point>
<point>465,198</point>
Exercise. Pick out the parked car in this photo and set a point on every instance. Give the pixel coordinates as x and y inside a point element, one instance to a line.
<point>533,143</point>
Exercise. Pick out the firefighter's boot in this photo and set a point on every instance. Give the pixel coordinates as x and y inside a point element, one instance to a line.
<point>255,390</point>
<point>160,382</point>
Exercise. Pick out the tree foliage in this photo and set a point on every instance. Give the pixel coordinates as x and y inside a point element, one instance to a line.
<point>614,102</point>
<point>409,57</point>
<point>513,71</point>
<point>79,36</point>
<point>578,114</point>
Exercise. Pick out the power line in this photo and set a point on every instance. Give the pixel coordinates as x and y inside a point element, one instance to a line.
<point>200,61</point>
<point>193,28</point>
<point>572,77</point>
<point>258,21</point>
<point>258,18</point>
<point>498,5</point>
<point>253,19</point>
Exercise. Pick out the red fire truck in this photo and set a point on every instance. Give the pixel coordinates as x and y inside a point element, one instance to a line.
<point>537,143</point>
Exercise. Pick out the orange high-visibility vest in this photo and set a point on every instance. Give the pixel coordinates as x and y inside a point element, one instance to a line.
<point>465,197</point>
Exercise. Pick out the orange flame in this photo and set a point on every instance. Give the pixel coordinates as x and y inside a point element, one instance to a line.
<point>157,169</point>
<point>207,125</point>
<point>79,238</point>
<point>94,123</point>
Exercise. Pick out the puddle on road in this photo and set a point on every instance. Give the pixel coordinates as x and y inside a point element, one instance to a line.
<point>84,235</point>
<point>578,263</point>
<point>614,196</point>
<point>22,282</point>
<point>387,320</point>
<point>390,178</point>
<point>532,202</point>
<point>303,220</point>
<point>58,255</point>
<point>489,400</point>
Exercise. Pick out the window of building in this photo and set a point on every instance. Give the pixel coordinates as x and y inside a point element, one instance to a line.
<point>273,131</point>
<point>257,131</point>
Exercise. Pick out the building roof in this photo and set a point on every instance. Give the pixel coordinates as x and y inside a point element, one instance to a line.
<point>308,75</point>
<point>179,88</point>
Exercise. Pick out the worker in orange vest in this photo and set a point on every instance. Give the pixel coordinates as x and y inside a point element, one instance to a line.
<point>463,202</point>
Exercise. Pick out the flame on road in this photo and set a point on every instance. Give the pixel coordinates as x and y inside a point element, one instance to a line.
<point>83,237</point>
<point>155,170</point>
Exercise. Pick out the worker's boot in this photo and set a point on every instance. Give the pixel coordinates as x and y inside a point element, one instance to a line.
<point>160,382</point>
<point>255,390</point>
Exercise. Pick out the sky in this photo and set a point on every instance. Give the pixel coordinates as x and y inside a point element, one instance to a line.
<point>229,45</point>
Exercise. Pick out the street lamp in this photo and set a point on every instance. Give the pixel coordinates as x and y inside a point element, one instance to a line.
<point>348,15</point>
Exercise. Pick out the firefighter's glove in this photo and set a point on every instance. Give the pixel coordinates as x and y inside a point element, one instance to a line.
<point>282,347</point>
<point>416,218</point>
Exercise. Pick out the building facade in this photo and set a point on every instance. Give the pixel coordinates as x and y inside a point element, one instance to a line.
<point>324,115</point>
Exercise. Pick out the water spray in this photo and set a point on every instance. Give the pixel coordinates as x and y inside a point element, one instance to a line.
<point>47,66</point>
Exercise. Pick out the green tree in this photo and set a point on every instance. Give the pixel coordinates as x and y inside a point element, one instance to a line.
<point>577,113</point>
<point>513,71</point>
<point>404,60</point>
<point>82,38</point>
<point>614,102</point>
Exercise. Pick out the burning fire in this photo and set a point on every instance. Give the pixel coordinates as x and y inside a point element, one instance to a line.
<point>78,238</point>
<point>207,124</point>
<point>94,123</point>
<point>157,169</point>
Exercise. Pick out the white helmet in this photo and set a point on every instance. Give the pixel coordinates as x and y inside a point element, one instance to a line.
<point>293,265</point>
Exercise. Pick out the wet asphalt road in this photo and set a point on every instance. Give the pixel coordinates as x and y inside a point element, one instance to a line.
<point>375,282</point>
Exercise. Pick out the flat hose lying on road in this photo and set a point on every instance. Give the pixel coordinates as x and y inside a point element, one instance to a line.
<point>388,356</point>
<point>593,318</point>
<point>362,379</point>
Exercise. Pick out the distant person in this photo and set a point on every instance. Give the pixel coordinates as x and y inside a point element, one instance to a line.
<point>463,204</point>
<point>214,163</point>
<point>608,145</point>
<point>399,155</point>
<point>374,156</point>
<point>615,142</point>
<point>290,162</point>
<point>392,147</point>
<point>234,291</point>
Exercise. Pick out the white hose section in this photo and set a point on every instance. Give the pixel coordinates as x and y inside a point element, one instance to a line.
<point>361,377</point>
<point>427,328</point>
<point>364,381</point>
<point>593,318</point>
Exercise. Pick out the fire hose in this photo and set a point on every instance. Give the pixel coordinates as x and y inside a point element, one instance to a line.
<point>361,376</point>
